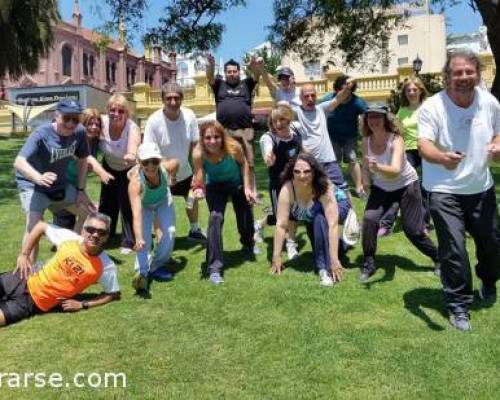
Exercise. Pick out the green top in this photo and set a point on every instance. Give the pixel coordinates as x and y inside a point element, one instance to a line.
<point>228,170</point>
<point>408,118</point>
<point>154,195</point>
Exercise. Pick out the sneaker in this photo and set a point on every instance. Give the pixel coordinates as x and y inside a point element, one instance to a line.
<point>325,279</point>
<point>383,232</point>
<point>437,269</point>
<point>161,275</point>
<point>291,249</point>
<point>259,233</point>
<point>460,321</point>
<point>197,235</point>
<point>139,283</point>
<point>216,278</point>
<point>126,251</point>
<point>488,294</point>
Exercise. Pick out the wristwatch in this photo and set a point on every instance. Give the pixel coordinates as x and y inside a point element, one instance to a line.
<point>85,305</point>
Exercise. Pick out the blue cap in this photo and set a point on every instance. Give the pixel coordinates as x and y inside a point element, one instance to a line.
<point>69,106</point>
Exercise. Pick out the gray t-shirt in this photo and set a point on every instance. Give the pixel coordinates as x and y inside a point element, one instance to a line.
<point>311,125</point>
<point>47,151</point>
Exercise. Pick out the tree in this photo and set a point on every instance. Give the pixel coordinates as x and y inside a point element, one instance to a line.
<point>26,32</point>
<point>188,26</point>
<point>355,26</point>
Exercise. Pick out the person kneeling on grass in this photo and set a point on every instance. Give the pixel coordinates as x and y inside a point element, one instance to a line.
<point>278,146</point>
<point>150,198</point>
<point>78,263</point>
<point>393,179</point>
<point>307,195</point>
<point>222,171</point>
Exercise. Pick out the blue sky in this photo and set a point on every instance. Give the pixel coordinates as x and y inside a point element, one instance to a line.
<point>246,26</point>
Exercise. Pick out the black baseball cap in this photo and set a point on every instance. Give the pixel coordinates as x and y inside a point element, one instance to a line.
<point>69,106</point>
<point>285,72</point>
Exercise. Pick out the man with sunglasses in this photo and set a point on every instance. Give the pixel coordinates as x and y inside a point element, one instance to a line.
<point>78,263</point>
<point>174,129</point>
<point>41,167</point>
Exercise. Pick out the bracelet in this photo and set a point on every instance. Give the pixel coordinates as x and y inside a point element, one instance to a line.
<point>85,305</point>
<point>79,189</point>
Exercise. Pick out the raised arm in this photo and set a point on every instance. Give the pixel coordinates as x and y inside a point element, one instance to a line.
<point>261,67</point>
<point>210,69</point>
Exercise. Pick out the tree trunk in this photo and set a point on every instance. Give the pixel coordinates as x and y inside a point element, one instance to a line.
<point>494,39</point>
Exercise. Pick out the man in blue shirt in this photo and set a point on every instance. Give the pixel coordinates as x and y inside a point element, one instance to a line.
<point>343,128</point>
<point>41,167</point>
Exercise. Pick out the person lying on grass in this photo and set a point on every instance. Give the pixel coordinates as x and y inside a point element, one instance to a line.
<point>78,263</point>
<point>307,196</point>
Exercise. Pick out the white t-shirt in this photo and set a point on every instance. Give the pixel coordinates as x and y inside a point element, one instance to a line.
<point>314,132</point>
<point>174,138</point>
<point>109,276</point>
<point>114,150</point>
<point>467,130</point>
<point>292,97</point>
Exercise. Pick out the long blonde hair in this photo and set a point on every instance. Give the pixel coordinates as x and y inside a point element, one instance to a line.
<point>229,145</point>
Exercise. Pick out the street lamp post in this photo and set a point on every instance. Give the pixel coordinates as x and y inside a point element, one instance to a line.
<point>417,65</point>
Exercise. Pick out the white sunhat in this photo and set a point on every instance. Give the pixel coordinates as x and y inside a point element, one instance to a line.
<point>148,150</point>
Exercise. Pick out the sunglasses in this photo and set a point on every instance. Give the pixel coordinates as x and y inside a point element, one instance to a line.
<point>302,171</point>
<point>92,229</point>
<point>75,119</point>
<point>117,111</point>
<point>176,98</point>
<point>153,161</point>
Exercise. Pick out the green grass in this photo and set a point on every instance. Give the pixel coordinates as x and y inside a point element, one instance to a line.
<point>257,336</point>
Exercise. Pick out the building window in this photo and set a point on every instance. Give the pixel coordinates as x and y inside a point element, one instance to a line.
<point>66,60</point>
<point>108,72</point>
<point>182,69</point>
<point>91,65</point>
<point>85,64</point>
<point>312,69</point>
<point>403,40</point>
<point>402,61</point>
<point>113,72</point>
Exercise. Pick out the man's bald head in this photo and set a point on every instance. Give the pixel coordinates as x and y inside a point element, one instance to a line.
<point>308,96</point>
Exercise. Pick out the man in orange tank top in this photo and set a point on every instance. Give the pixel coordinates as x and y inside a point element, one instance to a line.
<point>78,263</point>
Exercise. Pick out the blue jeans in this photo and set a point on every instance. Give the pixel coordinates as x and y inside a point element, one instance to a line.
<point>165,214</point>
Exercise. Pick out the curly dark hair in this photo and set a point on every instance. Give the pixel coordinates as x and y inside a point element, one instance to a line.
<point>320,181</point>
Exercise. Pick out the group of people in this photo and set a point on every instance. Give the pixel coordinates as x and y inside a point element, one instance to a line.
<point>451,137</point>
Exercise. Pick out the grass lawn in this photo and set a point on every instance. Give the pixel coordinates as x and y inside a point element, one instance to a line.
<point>257,336</point>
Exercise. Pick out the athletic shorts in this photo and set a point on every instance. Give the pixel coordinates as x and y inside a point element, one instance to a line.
<point>245,137</point>
<point>345,150</point>
<point>182,188</point>
<point>34,201</point>
<point>15,300</point>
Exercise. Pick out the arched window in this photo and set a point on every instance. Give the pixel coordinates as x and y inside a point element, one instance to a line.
<point>66,53</point>
<point>182,69</point>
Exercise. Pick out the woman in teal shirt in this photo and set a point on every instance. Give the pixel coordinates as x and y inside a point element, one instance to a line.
<point>221,172</point>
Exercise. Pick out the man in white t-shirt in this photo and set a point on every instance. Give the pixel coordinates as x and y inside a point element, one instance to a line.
<point>175,130</point>
<point>459,134</point>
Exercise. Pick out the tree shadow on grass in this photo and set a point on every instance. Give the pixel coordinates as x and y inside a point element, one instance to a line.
<point>416,300</point>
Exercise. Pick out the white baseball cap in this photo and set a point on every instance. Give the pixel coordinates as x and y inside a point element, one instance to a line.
<point>148,150</point>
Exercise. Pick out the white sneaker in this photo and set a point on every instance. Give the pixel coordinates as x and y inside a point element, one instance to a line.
<point>259,233</point>
<point>324,278</point>
<point>291,249</point>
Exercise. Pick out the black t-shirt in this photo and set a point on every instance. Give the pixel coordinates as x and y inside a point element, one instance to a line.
<point>283,151</point>
<point>234,103</point>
